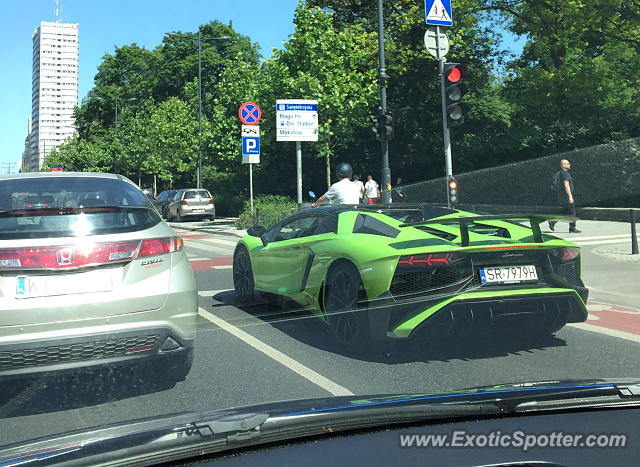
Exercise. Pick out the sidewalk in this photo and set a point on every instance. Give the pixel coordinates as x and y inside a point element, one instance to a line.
<point>609,269</point>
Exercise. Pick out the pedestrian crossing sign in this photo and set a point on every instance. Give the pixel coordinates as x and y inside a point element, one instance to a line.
<point>438,12</point>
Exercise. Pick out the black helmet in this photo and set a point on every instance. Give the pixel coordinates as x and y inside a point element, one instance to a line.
<point>343,170</point>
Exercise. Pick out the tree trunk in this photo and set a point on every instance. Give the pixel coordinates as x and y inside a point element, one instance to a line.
<point>328,166</point>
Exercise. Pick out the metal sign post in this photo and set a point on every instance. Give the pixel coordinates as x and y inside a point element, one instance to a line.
<point>438,13</point>
<point>299,171</point>
<point>297,120</point>
<point>445,127</point>
<point>250,153</point>
<point>251,187</point>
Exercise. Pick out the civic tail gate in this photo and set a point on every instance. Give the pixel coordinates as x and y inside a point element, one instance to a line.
<point>89,278</point>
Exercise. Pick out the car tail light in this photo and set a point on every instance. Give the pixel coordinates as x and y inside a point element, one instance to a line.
<point>432,259</point>
<point>183,203</point>
<point>86,254</point>
<point>211,201</point>
<point>566,254</point>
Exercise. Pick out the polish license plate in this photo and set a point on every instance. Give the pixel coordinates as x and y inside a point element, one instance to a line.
<point>64,284</point>
<point>508,274</point>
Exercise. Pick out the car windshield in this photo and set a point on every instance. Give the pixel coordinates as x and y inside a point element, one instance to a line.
<point>208,206</point>
<point>33,207</point>
<point>197,194</point>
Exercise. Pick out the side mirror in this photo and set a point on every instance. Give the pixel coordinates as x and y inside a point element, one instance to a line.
<point>256,231</point>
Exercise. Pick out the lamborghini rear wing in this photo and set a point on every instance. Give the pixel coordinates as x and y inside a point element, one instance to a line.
<point>463,223</point>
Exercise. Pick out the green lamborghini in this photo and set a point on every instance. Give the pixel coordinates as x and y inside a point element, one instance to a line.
<point>398,273</point>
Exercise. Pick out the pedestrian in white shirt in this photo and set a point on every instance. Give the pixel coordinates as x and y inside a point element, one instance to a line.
<point>344,191</point>
<point>372,190</point>
<point>360,185</point>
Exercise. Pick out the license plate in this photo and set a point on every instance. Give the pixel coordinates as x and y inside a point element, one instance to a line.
<point>64,284</point>
<point>197,210</point>
<point>508,274</point>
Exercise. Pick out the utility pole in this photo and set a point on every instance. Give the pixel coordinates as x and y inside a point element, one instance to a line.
<point>384,139</point>
<point>7,167</point>
<point>198,173</point>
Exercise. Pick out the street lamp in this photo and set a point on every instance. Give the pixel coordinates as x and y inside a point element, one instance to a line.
<point>126,99</point>
<point>198,39</point>
<point>130,99</point>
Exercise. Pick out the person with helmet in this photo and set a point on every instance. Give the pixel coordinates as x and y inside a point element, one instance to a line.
<point>344,191</point>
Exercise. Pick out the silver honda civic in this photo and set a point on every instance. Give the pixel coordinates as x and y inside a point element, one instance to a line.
<point>90,276</point>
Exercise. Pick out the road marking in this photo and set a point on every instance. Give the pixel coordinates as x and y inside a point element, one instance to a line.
<point>216,240</point>
<point>211,293</point>
<point>211,263</point>
<point>597,237</point>
<point>603,242</point>
<point>295,366</point>
<point>606,331</point>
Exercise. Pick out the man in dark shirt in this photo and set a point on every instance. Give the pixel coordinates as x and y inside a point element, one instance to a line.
<point>564,187</point>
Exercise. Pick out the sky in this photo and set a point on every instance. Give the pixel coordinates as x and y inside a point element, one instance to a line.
<point>105,24</point>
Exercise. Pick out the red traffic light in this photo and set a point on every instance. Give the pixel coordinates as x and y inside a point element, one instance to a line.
<point>454,75</point>
<point>453,184</point>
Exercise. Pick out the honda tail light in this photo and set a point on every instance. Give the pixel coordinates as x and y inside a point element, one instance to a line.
<point>211,201</point>
<point>431,259</point>
<point>183,203</point>
<point>85,255</point>
<point>566,254</point>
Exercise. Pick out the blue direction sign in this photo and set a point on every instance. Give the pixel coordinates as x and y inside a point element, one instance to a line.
<point>438,12</point>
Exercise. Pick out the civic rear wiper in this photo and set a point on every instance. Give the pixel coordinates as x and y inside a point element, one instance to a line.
<point>65,211</point>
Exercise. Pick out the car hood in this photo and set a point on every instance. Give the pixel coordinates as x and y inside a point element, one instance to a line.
<point>219,430</point>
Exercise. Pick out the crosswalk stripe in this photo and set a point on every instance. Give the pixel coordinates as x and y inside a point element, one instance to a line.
<point>597,237</point>
<point>604,242</point>
<point>216,240</point>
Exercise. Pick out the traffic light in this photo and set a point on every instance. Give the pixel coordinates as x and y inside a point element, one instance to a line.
<point>376,122</point>
<point>388,125</point>
<point>452,187</point>
<point>454,90</point>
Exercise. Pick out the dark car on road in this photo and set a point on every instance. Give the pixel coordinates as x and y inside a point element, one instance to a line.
<point>163,200</point>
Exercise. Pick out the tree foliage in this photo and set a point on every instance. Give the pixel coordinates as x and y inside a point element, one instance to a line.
<point>575,84</point>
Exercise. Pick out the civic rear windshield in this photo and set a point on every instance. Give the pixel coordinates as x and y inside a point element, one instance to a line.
<point>43,207</point>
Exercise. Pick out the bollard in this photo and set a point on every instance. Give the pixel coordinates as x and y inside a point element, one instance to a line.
<point>634,238</point>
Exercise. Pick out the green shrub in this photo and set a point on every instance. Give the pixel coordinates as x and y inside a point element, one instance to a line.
<point>227,204</point>
<point>267,210</point>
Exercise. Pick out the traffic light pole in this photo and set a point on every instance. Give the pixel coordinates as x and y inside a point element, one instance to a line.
<point>384,139</point>
<point>445,126</point>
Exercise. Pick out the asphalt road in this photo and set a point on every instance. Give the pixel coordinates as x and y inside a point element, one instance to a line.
<point>257,353</point>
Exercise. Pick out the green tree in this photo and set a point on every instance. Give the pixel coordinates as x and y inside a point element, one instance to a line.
<point>329,64</point>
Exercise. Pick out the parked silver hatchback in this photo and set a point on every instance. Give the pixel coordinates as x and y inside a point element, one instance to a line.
<point>90,276</point>
<point>190,203</point>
